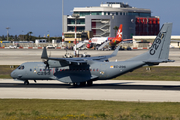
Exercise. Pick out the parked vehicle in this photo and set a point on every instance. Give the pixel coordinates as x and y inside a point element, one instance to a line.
<point>50,47</point>
<point>12,47</point>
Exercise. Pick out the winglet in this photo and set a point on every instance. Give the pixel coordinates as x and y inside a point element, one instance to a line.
<point>44,54</point>
<point>116,51</point>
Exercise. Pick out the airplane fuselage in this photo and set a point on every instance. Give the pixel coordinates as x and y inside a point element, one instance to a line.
<point>74,73</point>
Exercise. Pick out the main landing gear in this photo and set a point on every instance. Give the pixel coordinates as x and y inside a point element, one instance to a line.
<point>88,83</point>
<point>26,82</point>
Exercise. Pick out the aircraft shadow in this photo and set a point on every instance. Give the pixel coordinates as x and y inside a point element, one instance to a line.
<point>94,86</point>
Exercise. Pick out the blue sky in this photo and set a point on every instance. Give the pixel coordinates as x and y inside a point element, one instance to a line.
<point>44,16</point>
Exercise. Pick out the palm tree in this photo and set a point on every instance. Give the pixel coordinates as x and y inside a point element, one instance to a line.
<point>115,28</point>
<point>30,35</point>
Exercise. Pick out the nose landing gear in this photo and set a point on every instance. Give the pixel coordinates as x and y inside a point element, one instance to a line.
<point>26,82</point>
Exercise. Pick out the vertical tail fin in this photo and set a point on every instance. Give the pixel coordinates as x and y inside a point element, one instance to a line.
<point>160,47</point>
<point>159,51</point>
<point>119,32</point>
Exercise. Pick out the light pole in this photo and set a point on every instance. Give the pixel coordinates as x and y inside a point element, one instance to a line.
<point>7,32</point>
<point>62,21</point>
<point>23,35</point>
<point>76,16</point>
<point>48,37</point>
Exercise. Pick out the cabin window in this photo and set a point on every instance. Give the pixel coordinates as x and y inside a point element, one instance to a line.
<point>97,69</point>
<point>30,69</point>
<point>21,67</point>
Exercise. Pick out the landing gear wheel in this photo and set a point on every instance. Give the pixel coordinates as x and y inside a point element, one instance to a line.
<point>83,83</point>
<point>26,82</point>
<point>89,83</point>
<point>71,84</point>
<point>78,83</point>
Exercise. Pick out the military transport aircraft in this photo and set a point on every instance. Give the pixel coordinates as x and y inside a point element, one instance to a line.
<point>85,70</point>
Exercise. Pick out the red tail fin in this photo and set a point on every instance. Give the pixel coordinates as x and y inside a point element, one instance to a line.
<point>119,32</point>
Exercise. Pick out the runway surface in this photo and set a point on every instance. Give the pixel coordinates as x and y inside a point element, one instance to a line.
<point>116,90</point>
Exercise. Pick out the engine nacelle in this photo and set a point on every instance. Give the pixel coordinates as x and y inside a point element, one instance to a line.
<point>55,63</point>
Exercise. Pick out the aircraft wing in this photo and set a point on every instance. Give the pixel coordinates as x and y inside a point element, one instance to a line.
<point>102,58</point>
<point>80,59</point>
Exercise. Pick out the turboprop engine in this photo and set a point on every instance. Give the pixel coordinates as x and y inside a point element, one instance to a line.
<point>55,63</point>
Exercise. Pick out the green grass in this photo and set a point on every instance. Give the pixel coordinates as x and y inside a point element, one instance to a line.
<point>156,73</point>
<point>36,109</point>
<point>5,70</point>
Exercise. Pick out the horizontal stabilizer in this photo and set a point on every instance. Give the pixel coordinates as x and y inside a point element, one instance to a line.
<point>159,61</point>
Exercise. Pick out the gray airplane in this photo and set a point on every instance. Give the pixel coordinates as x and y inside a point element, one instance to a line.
<point>85,70</point>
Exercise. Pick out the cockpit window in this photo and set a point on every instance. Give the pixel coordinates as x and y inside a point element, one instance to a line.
<point>21,67</point>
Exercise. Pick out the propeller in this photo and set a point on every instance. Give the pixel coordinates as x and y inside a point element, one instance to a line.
<point>46,63</point>
<point>45,58</point>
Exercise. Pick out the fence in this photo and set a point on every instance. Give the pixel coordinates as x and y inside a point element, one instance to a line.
<point>60,45</point>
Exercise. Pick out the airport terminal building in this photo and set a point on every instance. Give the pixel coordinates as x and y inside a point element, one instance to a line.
<point>100,21</point>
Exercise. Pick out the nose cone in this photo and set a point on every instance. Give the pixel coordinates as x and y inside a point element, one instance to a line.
<point>13,74</point>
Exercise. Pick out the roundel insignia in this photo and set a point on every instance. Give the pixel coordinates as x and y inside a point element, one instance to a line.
<point>34,71</point>
<point>102,72</point>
